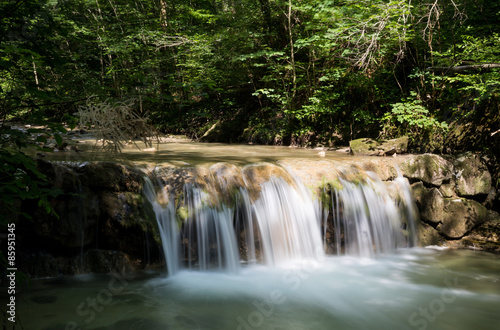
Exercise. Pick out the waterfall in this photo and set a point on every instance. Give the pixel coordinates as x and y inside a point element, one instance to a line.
<point>210,226</point>
<point>368,220</point>
<point>288,222</point>
<point>167,225</point>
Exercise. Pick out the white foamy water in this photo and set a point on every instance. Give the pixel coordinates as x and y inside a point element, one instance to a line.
<point>410,289</point>
<point>282,222</point>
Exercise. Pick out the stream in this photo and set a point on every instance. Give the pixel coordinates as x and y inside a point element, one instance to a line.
<point>260,261</point>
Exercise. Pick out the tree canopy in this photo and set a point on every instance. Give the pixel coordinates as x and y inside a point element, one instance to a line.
<point>266,71</point>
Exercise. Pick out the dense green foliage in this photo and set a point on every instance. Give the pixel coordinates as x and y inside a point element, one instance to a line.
<point>266,71</point>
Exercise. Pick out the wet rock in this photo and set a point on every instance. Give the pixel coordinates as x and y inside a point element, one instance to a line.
<point>460,216</point>
<point>427,235</point>
<point>112,176</point>
<point>44,264</point>
<point>452,217</point>
<point>104,262</point>
<point>37,264</point>
<point>486,237</point>
<point>369,147</point>
<point>128,208</point>
<point>429,201</point>
<point>255,175</point>
<point>472,176</point>
<point>100,205</point>
<point>226,179</point>
<point>428,168</point>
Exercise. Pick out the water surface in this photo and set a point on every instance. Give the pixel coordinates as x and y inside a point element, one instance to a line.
<point>180,152</point>
<point>410,289</point>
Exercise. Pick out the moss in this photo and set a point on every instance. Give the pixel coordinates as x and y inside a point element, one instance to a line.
<point>183,213</point>
<point>336,185</point>
<point>363,145</point>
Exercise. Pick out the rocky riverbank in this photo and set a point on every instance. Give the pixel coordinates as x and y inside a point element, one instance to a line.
<point>105,224</point>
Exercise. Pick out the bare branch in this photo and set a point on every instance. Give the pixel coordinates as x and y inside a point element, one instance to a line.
<point>116,124</point>
<point>171,41</point>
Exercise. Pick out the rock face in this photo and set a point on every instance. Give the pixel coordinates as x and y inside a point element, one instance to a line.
<point>452,197</point>
<point>369,147</point>
<point>452,217</point>
<point>101,208</point>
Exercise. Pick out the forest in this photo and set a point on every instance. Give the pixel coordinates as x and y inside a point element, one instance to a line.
<point>283,72</point>
<point>263,71</point>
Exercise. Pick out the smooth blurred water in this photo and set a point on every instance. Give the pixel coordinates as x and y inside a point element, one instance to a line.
<point>189,153</point>
<point>410,289</point>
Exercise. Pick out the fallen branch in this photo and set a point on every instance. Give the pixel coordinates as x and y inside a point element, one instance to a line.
<point>463,68</point>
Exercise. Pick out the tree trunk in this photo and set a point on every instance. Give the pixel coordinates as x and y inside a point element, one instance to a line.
<point>292,50</point>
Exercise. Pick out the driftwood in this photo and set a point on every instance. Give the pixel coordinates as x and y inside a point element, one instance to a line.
<point>463,68</point>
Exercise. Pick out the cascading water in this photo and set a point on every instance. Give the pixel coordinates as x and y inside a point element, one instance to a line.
<point>279,254</point>
<point>165,216</point>
<point>277,221</point>
<point>367,220</point>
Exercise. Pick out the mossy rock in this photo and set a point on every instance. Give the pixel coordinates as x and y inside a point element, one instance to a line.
<point>430,203</point>
<point>431,169</point>
<point>460,216</point>
<point>427,235</point>
<point>452,217</point>
<point>369,147</point>
<point>109,176</point>
<point>472,176</point>
<point>128,208</point>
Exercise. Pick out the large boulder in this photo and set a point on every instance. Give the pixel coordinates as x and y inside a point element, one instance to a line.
<point>485,237</point>
<point>430,202</point>
<point>460,216</point>
<point>428,168</point>
<point>428,235</point>
<point>472,176</point>
<point>452,217</point>
<point>369,147</point>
